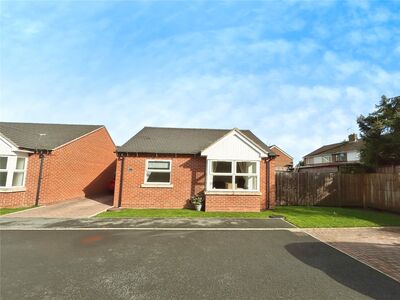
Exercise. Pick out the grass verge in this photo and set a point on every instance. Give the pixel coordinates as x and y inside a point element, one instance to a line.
<point>301,216</point>
<point>4,211</point>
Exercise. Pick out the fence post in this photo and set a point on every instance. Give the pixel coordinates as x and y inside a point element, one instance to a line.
<point>339,189</point>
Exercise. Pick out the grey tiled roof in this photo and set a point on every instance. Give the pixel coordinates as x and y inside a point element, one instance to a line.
<point>38,136</point>
<point>179,140</point>
<point>337,147</point>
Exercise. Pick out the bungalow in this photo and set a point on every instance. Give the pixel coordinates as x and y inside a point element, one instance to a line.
<point>164,167</point>
<point>283,161</point>
<point>49,163</point>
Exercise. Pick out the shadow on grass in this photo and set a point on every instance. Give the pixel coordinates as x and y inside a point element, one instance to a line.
<point>345,270</point>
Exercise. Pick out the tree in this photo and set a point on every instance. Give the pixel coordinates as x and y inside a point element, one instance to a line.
<point>381,133</point>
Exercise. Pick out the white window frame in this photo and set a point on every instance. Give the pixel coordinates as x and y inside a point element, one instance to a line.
<point>146,170</point>
<point>11,169</point>
<point>234,174</point>
<point>327,158</point>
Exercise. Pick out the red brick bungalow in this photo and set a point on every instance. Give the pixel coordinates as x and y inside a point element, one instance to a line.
<point>283,161</point>
<point>48,163</point>
<point>164,167</point>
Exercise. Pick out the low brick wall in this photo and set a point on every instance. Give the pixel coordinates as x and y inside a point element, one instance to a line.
<point>242,203</point>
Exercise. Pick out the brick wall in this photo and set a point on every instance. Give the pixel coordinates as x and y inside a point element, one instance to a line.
<point>187,178</point>
<point>282,160</point>
<point>27,197</point>
<point>240,202</point>
<point>81,168</point>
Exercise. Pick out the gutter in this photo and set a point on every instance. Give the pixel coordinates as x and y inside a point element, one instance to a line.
<point>39,184</point>
<point>121,177</point>
<point>268,183</point>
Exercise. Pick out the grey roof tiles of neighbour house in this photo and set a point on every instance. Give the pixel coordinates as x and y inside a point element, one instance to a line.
<point>36,136</point>
<point>180,140</point>
<point>337,147</point>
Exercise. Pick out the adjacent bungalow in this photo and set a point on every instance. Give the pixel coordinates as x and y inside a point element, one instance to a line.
<point>48,163</point>
<point>331,158</point>
<point>164,167</point>
<point>283,161</point>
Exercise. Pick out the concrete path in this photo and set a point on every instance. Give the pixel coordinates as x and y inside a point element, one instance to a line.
<point>376,247</point>
<point>142,223</point>
<point>80,208</point>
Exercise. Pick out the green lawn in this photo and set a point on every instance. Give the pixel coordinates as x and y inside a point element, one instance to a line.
<point>300,216</point>
<point>307,217</point>
<point>4,211</point>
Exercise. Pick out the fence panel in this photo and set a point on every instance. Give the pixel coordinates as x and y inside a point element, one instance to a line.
<point>380,190</point>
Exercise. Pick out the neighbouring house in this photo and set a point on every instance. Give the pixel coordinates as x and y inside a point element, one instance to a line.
<point>48,163</point>
<point>331,158</point>
<point>283,161</point>
<point>165,167</point>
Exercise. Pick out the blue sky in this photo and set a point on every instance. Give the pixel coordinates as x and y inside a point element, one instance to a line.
<point>297,73</point>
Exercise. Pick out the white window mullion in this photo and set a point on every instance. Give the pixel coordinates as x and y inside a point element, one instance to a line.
<point>12,160</point>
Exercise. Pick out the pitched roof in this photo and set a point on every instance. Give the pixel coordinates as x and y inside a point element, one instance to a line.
<point>279,149</point>
<point>180,140</point>
<point>337,147</point>
<point>36,136</point>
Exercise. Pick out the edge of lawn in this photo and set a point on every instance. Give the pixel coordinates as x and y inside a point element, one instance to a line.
<point>6,210</point>
<point>299,216</point>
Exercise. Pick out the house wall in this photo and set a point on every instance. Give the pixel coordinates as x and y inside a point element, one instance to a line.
<point>239,201</point>
<point>26,196</point>
<point>187,179</point>
<point>232,146</point>
<point>282,160</point>
<point>82,168</point>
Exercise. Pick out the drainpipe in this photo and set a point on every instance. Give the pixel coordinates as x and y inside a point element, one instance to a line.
<point>121,177</point>
<point>39,184</point>
<point>268,183</point>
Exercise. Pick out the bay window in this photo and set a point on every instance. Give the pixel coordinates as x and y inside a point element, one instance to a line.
<point>158,172</point>
<point>233,175</point>
<point>12,171</point>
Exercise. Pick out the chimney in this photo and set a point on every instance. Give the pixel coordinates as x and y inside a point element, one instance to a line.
<point>353,137</point>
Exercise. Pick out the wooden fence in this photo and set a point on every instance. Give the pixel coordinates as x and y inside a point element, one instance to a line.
<point>380,191</point>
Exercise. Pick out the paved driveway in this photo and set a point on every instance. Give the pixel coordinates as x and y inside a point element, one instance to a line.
<point>80,208</point>
<point>191,264</point>
<point>377,247</point>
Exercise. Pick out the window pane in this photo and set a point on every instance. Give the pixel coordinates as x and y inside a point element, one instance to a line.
<point>163,177</point>
<point>20,163</point>
<point>3,178</point>
<point>18,179</point>
<point>221,167</point>
<point>246,167</point>
<point>158,165</point>
<point>326,158</point>
<point>3,162</point>
<point>246,182</point>
<point>222,182</point>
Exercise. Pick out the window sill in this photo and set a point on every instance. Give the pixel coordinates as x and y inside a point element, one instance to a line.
<point>157,185</point>
<point>250,193</point>
<point>12,189</point>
